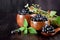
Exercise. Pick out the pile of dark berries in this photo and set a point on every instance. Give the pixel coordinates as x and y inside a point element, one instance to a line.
<point>48,29</point>
<point>39,17</point>
<point>23,12</point>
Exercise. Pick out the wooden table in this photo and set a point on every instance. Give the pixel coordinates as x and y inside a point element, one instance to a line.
<point>34,37</point>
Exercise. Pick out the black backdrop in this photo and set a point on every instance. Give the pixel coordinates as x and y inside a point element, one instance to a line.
<point>8,11</point>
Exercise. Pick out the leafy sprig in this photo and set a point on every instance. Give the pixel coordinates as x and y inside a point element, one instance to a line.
<point>51,15</point>
<point>25,29</point>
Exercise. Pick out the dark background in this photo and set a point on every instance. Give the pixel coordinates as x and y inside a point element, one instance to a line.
<point>8,11</point>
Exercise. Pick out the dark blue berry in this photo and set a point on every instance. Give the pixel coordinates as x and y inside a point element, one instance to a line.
<point>37,19</point>
<point>38,15</point>
<point>23,11</point>
<point>41,19</point>
<point>44,18</point>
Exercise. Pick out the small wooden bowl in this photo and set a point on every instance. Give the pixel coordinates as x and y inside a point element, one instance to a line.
<point>20,19</point>
<point>37,25</point>
<point>51,34</point>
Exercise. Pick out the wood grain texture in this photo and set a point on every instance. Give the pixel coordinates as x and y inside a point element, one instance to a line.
<point>35,37</point>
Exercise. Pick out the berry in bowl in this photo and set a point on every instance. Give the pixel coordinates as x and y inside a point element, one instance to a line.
<point>21,16</point>
<point>48,30</point>
<point>38,21</point>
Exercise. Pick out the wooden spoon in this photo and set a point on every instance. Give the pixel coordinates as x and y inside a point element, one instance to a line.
<point>51,34</point>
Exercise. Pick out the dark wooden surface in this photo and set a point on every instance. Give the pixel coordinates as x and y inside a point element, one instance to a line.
<point>35,37</point>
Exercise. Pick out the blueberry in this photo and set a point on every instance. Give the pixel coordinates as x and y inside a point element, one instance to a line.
<point>52,31</point>
<point>38,15</point>
<point>46,26</point>
<point>41,19</point>
<point>44,18</point>
<point>44,29</point>
<point>47,29</point>
<point>52,27</point>
<point>19,12</point>
<point>37,19</point>
<point>23,11</point>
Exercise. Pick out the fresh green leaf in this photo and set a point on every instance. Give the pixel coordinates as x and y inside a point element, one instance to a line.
<point>25,31</point>
<point>35,9</point>
<point>25,23</point>
<point>32,30</point>
<point>52,13</point>
<point>58,20</point>
<point>22,28</point>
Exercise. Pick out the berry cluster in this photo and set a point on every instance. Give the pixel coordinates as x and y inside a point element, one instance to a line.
<point>48,29</point>
<point>39,17</point>
<point>23,12</point>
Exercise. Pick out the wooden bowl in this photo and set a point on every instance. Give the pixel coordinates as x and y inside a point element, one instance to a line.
<point>37,25</point>
<point>51,34</point>
<point>20,19</point>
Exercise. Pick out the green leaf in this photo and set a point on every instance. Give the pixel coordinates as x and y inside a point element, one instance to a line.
<point>25,31</point>
<point>25,23</point>
<point>32,30</point>
<point>52,13</point>
<point>22,28</point>
<point>58,20</point>
<point>35,9</point>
